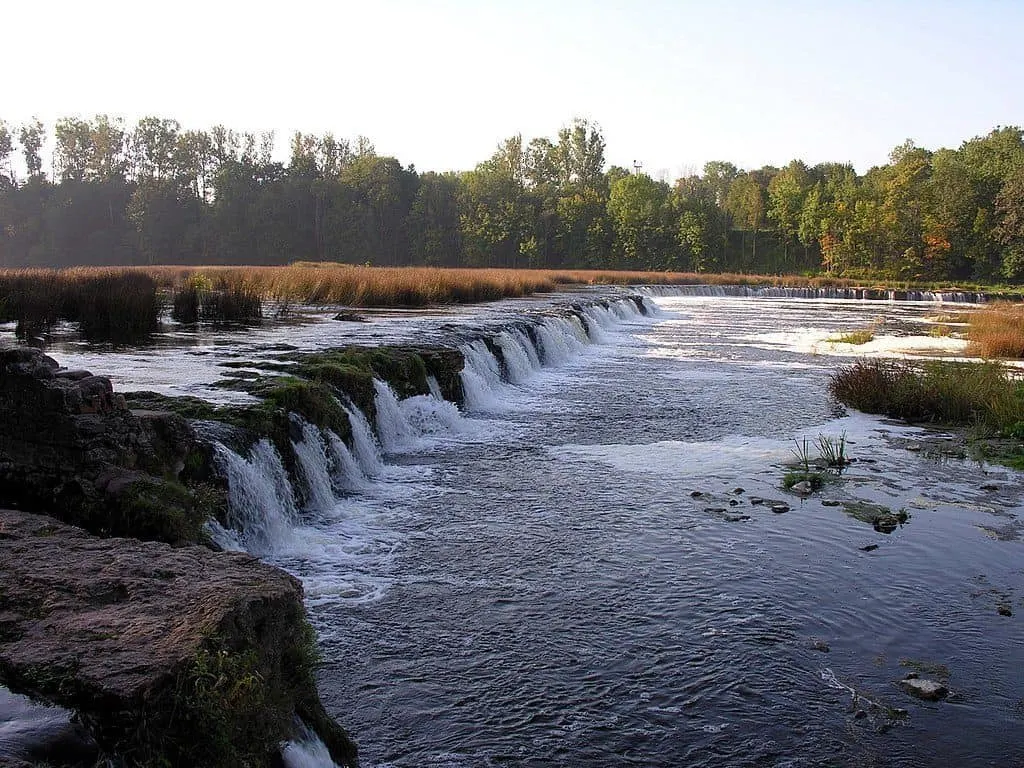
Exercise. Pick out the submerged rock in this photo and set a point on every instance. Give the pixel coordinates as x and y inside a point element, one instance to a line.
<point>927,690</point>
<point>176,656</point>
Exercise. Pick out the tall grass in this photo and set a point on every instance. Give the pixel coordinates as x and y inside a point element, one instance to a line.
<point>984,395</point>
<point>109,305</point>
<point>997,331</point>
<point>128,298</point>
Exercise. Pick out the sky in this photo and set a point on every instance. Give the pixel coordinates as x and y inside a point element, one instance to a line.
<point>439,84</point>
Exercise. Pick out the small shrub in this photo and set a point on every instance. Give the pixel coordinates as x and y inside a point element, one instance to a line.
<point>862,336</point>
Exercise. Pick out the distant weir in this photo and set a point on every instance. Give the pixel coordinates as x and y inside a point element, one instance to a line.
<point>860,294</point>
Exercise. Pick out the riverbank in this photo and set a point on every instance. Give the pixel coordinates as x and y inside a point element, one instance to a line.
<point>126,304</point>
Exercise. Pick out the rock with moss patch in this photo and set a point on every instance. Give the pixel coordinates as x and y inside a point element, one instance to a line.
<point>171,656</point>
<point>69,446</point>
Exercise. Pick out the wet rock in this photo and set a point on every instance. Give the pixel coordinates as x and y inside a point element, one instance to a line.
<point>926,690</point>
<point>756,500</point>
<point>779,507</point>
<point>829,503</point>
<point>860,714</point>
<point>869,548</point>
<point>1004,610</point>
<point>990,487</point>
<point>886,523</point>
<point>733,503</point>
<point>882,519</point>
<point>350,317</point>
<point>821,646</point>
<point>210,650</point>
<point>65,434</point>
<point>696,494</point>
<point>714,510</point>
<point>737,490</point>
<point>734,518</point>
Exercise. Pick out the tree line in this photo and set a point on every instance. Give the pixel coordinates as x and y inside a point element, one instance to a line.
<point>155,193</point>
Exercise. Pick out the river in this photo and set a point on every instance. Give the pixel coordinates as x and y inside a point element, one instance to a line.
<point>578,569</point>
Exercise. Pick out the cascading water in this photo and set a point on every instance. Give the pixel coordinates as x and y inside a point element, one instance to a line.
<point>517,359</point>
<point>347,474</point>
<point>365,448</point>
<point>392,427</point>
<point>481,376</point>
<point>314,468</point>
<point>261,503</point>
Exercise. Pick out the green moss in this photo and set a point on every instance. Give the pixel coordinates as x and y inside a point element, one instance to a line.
<point>160,510</point>
<point>816,479</point>
<point>881,518</point>
<point>313,400</point>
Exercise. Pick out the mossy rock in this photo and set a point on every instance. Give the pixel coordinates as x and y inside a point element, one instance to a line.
<point>881,518</point>
<point>158,510</point>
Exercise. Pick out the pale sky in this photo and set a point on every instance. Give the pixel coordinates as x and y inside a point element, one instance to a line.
<point>439,84</point>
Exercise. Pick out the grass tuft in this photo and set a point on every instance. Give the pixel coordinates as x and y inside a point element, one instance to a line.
<point>973,394</point>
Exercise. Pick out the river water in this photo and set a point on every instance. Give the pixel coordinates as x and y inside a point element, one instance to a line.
<point>574,569</point>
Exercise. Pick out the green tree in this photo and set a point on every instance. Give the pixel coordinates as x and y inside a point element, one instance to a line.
<point>32,135</point>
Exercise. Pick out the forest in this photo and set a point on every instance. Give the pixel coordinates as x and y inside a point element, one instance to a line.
<point>156,193</point>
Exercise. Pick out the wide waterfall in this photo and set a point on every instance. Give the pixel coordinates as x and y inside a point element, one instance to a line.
<point>266,506</point>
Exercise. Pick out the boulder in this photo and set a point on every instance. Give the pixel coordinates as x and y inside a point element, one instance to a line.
<point>65,436</point>
<point>170,656</point>
<point>927,690</point>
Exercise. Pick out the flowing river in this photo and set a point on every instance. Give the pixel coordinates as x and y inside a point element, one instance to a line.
<point>586,566</point>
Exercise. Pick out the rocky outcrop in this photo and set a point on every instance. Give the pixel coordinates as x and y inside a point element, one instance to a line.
<point>69,446</point>
<point>178,656</point>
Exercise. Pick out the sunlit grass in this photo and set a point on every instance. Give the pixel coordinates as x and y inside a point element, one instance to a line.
<point>983,395</point>
<point>862,336</point>
<point>997,331</point>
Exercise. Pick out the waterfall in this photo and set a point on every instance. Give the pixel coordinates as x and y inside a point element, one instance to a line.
<point>827,292</point>
<point>434,387</point>
<point>306,751</point>
<point>392,427</point>
<point>429,415</point>
<point>347,474</point>
<point>481,376</point>
<point>551,342</point>
<point>365,449</point>
<point>517,359</point>
<point>262,507</point>
<point>314,468</point>
<point>261,504</point>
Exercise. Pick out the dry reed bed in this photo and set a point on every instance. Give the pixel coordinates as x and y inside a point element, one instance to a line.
<point>997,331</point>
<point>358,286</point>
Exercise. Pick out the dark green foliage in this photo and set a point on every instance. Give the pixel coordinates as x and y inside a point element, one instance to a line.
<point>185,305</point>
<point>232,705</point>
<point>314,401</point>
<point>159,510</point>
<point>141,196</point>
<point>235,305</point>
<point>192,304</point>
